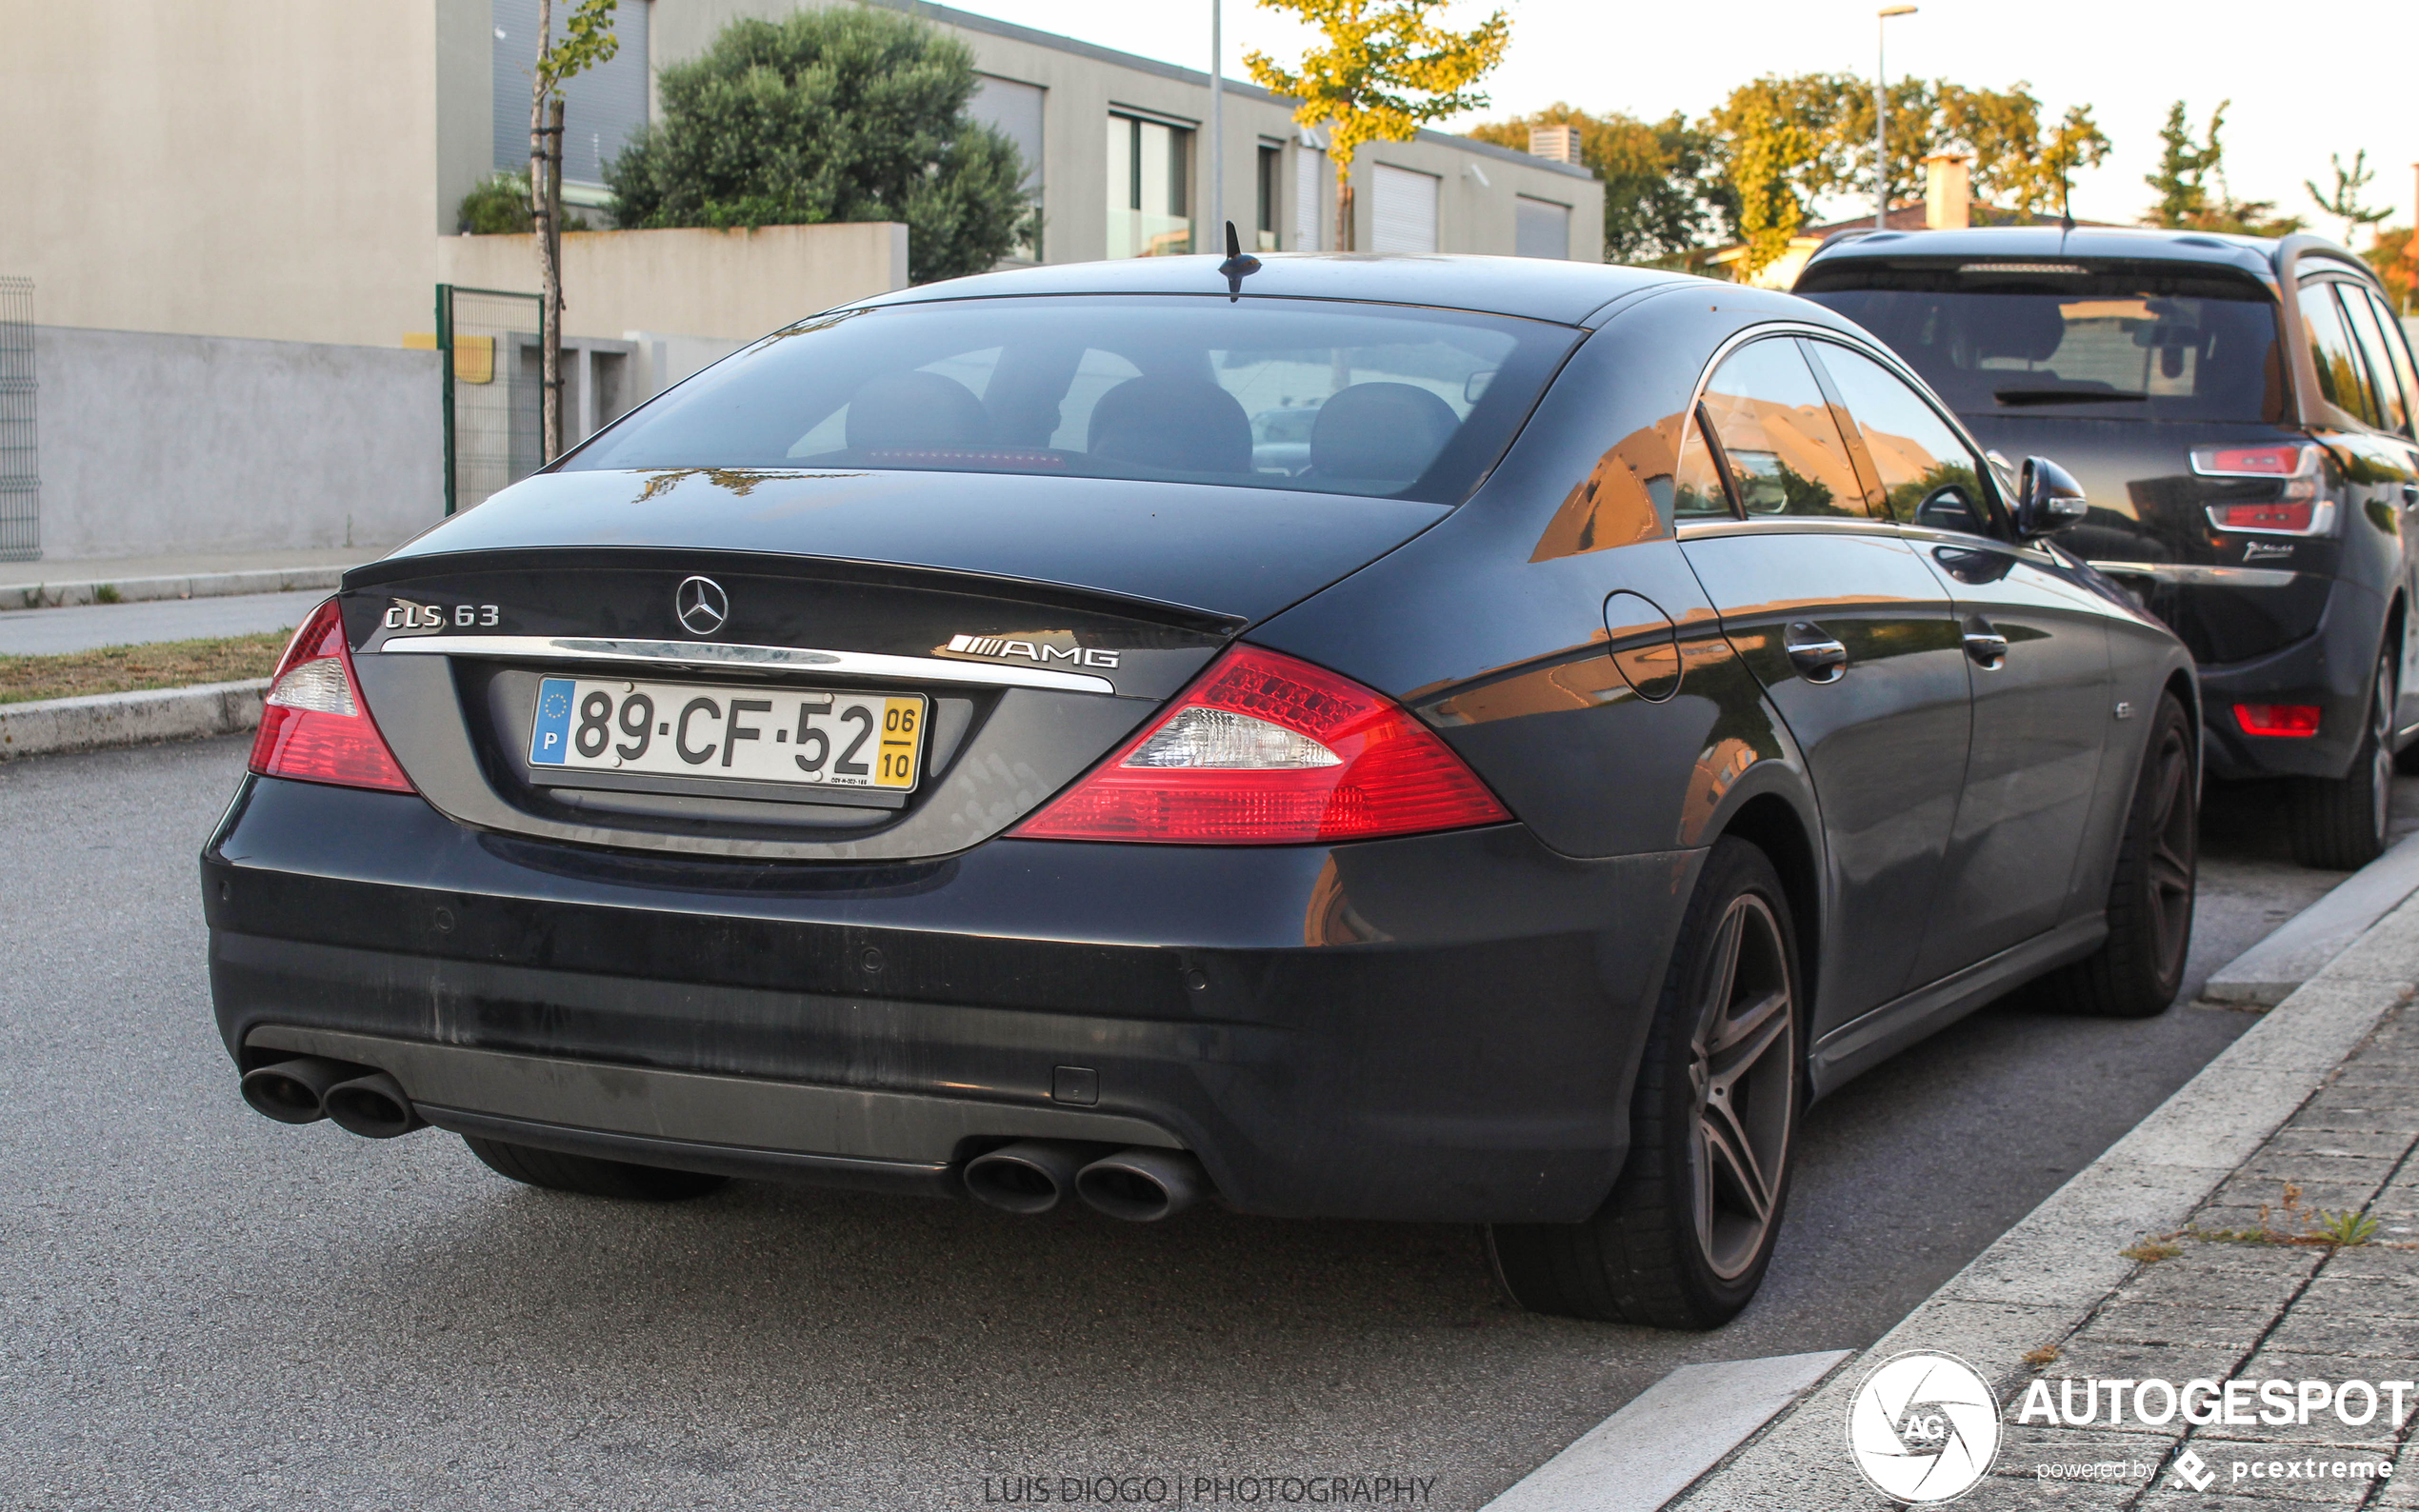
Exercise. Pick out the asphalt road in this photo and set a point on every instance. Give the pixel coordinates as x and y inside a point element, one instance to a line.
<point>201,1308</point>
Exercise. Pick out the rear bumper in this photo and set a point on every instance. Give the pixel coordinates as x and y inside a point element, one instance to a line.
<point>1440,1028</point>
<point>2330,668</point>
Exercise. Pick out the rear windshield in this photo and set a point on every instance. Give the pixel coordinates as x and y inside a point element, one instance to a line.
<point>1307,394</point>
<point>2025,338</point>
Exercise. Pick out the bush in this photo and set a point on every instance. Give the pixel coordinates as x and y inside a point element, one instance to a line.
<point>500,207</point>
<point>839,114</point>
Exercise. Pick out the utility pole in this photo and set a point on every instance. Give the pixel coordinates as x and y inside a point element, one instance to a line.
<point>1217,199</point>
<point>1880,113</point>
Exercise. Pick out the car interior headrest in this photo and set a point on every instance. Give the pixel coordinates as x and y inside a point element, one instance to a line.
<point>1184,425</point>
<point>1386,431</point>
<point>2028,330</point>
<point>915,410</point>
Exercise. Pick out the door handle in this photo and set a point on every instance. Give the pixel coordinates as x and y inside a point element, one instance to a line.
<point>1817,656</point>
<point>2409,494</point>
<point>1985,644</point>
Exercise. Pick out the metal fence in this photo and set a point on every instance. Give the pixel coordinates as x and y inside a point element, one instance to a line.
<point>20,475</point>
<point>492,415</point>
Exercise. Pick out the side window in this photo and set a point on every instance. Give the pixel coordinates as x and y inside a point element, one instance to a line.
<point>2339,375</point>
<point>1927,475</point>
<point>1776,430</point>
<point>2398,348</point>
<point>2394,399</point>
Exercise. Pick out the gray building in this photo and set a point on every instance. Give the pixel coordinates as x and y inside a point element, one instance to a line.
<point>1117,146</point>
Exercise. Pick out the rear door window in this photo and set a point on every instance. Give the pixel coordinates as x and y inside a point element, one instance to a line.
<point>2339,377</point>
<point>1927,475</point>
<point>1777,433</point>
<point>2393,402</point>
<point>2398,348</point>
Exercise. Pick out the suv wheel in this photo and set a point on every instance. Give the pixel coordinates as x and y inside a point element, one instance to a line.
<point>2138,969</point>
<point>2340,824</point>
<point>1685,1238</point>
<point>591,1176</point>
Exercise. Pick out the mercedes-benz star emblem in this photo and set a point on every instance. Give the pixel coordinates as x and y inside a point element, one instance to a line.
<point>701,605</point>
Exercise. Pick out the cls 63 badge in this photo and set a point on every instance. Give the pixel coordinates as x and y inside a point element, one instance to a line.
<point>404,617</point>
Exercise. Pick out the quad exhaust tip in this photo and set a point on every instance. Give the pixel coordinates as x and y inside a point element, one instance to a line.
<point>375,1106</point>
<point>311,1087</point>
<point>1035,1176</point>
<point>1142,1186</point>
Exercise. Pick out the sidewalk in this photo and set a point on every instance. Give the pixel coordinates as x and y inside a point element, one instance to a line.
<point>2190,1251</point>
<point>188,575</point>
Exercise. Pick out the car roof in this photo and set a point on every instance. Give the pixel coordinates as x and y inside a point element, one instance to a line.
<point>1530,287</point>
<point>2259,256</point>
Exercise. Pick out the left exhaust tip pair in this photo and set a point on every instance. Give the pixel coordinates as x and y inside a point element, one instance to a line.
<point>309,1088</point>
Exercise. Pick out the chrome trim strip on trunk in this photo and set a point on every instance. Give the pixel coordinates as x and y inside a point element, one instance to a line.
<point>2223,577</point>
<point>742,658</point>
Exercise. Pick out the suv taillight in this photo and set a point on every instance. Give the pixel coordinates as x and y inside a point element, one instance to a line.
<point>2294,509</point>
<point>1267,750</point>
<point>314,725</point>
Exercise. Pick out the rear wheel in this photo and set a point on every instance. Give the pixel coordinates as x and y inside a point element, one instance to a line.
<point>1685,1238</point>
<point>2138,969</point>
<point>2340,824</point>
<point>591,1176</point>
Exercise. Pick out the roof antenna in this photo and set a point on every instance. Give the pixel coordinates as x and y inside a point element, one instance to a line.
<point>1239,266</point>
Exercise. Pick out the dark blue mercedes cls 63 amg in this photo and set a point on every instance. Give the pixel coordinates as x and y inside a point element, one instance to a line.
<point>947,748</point>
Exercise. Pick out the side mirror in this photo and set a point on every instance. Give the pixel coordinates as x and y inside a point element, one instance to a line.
<point>2047,499</point>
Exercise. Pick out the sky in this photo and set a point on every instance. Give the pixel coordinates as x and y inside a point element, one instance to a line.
<point>2306,81</point>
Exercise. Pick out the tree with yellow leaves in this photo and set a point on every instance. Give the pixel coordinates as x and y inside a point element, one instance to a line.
<point>1383,69</point>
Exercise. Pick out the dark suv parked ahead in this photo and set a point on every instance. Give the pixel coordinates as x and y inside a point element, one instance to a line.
<point>2240,414</point>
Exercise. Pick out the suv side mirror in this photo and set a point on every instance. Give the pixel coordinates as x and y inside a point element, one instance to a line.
<point>2047,499</point>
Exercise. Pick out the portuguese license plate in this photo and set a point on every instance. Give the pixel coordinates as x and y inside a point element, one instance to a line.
<point>817,737</point>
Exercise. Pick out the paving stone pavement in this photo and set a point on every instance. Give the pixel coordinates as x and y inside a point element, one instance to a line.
<point>2243,1289</point>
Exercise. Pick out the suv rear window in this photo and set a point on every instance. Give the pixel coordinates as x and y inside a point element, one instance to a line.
<point>2014,338</point>
<point>1319,395</point>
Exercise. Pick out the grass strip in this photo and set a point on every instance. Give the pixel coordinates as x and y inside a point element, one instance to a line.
<point>132,668</point>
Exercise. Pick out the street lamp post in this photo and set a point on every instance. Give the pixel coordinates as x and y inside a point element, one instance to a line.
<point>1881,114</point>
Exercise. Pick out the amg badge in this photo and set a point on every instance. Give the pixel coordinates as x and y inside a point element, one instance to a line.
<point>1046,646</point>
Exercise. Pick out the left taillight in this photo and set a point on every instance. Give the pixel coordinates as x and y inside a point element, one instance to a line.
<point>1267,750</point>
<point>313,725</point>
<point>2294,510</point>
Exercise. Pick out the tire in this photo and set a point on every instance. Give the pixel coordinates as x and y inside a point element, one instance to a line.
<point>2139,968</point>
<point>2339,825</point>
<point>1686,1235</point>
<point>591,1176</point>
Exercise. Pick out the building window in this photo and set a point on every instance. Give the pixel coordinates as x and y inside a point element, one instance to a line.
<point>1014,109</point>
<point>601,108</point>
<point>1405,214</point>
<point>1265,202</point>
<point>1149,208</point>
<point>1314,199</point>
<point>1540,229</point>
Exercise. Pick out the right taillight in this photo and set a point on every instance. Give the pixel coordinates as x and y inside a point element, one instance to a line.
<point>314,725</point>
<point>1267,750</point>
<point>2293,509</point>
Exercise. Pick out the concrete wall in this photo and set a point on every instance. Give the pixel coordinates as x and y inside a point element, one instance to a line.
<point>733,286</point>
<point>155,444</point>
<point>1086,83</point>
<point>263,170</point>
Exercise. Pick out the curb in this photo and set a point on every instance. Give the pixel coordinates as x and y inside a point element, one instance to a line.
<point>2267,973</point>
<point>2045,1277</point>
<point>105,720</point>
<point>137,590</point>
